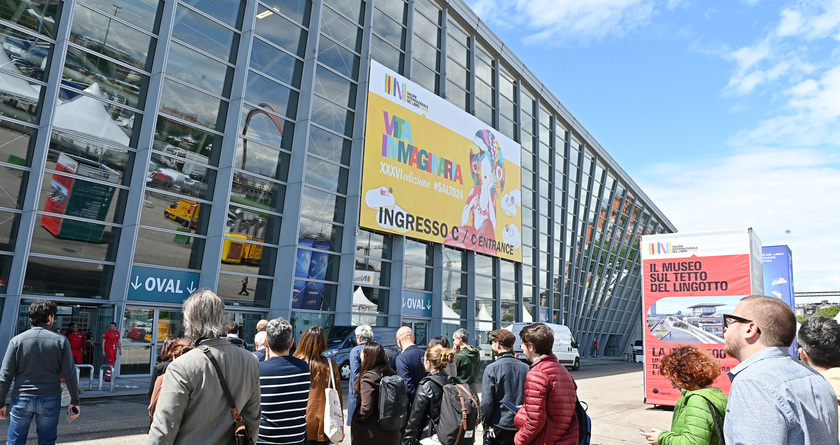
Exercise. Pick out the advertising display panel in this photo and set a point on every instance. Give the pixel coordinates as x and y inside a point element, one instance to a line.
<point>689,281</point>
<point>435,173</point>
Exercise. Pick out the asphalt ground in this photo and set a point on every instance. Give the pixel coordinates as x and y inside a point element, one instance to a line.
<point>612,388</point>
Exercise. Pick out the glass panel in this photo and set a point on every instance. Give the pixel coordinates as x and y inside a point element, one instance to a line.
<point>426,54</point>
<point>338,58</point>
<point>332,116</point>
<point>484,265</point>
<point>111,38</point>
<point>508,290</point>
<point>245,291</point>
<point>43,20</point>
<point>316,296</point>
<point>457,95</point>
<point>454,259</point>
<point>335,88</point>
<point>372,272</point>
<point>197,69</point>
<point>269,94</point>
<point>175,174</point>
<point>262,160</point>
<point>341,30</point>
<point>329,145</point>
<point>377,302</point>
<point>426,29</point>
<point>485,312</point>
<point>509,312</point>
<point>280,31</point>
<point>265,127</point>
<point>458,75</point>
<point>136,359</point>
<point>453,307</point>
<point>80,239</point>
<point>12,180</point>
<point>5,266</point>
<point>425,77</point>
<point>322,205</point>
<point>8,230</point>
<point>138,325</point>
<point>418,277</point>
<point>187,138</point>
<point>140,13</point>
<point>328,233</point>
<point>374,244</point>
<point>192,105</point>
<point>391,31</point>
<point>418,253</point>
<point>454,282</point>
<point>67,278</point>
<point>64,194</point>
<point>386,54</point>
<point>240,256</point>
<point>297,10</point>
<point>104,79</point>
<point>484,287</point>
<point>252,225</point>
<point>301,321</point>
<point>326,175</point>
<point>281,66</point>
<point>457,52</point>
<point>257,192</point>
<point>200,32</point>
<point>168,249</point>
<point>355,9</point>
<point>226,11</point>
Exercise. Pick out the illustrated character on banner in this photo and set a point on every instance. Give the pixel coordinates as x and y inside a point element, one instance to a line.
<point>487,168</point>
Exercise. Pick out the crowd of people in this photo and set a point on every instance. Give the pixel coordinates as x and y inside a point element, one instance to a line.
<point>208,380</point>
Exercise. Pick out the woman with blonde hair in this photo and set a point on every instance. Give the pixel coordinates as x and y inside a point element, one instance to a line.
<point>313,343</point>
<point>700,410</point>
<point>425,410</point>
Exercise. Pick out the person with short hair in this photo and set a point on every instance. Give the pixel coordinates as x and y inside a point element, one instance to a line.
<point>503,381</point>
<point>547,415</point>
<point>232,333</point>
<point>111,347</point>
<point>409,363</point>
<point>425,411</point>
<point>78,343</point>
<point>467,359</point>
<point>692,370</point>
<point>284,385</point>
<point>365,418</point>
<point>773,398</point>
<point>819,348</point>
<point>259,346</point>
<point>364,334</point>
<point>192,407</point>
<point>36,360</point>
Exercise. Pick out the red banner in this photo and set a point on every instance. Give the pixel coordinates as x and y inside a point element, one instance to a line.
<point>697,276</point>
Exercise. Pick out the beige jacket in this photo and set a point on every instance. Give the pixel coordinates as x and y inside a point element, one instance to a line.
<point>833,377</point>
<point>192,408</point>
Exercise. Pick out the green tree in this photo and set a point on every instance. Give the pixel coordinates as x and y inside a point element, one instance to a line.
<point>830,311</point>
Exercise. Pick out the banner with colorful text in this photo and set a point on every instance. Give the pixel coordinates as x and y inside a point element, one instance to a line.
<point>435,173</point>
<point>689,281</point>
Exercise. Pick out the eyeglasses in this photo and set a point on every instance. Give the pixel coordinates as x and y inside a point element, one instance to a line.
<point>728,319</point>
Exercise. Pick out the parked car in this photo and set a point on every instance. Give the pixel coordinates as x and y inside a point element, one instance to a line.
<point>342,339</point>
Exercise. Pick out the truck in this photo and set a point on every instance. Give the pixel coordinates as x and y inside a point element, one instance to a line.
<point>184,211</point>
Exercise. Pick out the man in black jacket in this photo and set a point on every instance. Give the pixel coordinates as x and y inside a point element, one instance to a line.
<point>36,360</point>
<point>503,381</point>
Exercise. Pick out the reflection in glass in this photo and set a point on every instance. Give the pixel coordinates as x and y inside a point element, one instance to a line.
<point>386,54</point>
<point>111,38</point>
<point>338,89</point>
<point>454,282</point>
<point>314,295</point>
<point>5,266</point>
<point>69,195</point>
<point>508,290</point>
<point>198,70</point>
<point>170,169</point>
<point>187,142</point>
<point>329,234</point>
<point>341,30</point>
<point>329,145</point>
<point>280,31</point>
<point>326,175</point>
<point>8,230</point>
<point>271,95</point>
<point>391,31</point>
<point>205,34</point>
<point>12,184</point>
<point>322,205</point>
<point>508,312</point>
<point>250,224</point>
<point>332,116</point>
<point>169,249</point>
<point>374,244</point>
<point>269,60</point>
<point>297,10</point>
<point>244,290</point>
<point>76,238</point>
<point>226,11</point>
<point>372,272</point>
<point>183,102</point>
<point>257,192</point>
<point>484,287</point>
<point>42,20</point>
<point>417,252</point>
<point>367,302</point>
<point>338,58</point>
<point>484,265</point>
<point>138,325</point>
<point>418,277</point>
<point>264,126</point>
<point>68,278</point>
<point>453,307</point>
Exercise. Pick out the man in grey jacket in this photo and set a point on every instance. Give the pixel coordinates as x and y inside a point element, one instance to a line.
<point>192,407</point>
<point>503,381</point>
<point>36,360</point>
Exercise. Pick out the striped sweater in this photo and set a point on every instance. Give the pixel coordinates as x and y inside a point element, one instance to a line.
<point>284,391</point>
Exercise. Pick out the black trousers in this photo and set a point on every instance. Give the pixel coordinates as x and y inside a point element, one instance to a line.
<point>498,436</point>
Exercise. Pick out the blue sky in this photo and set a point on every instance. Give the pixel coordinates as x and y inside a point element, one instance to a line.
<point>725,112</point>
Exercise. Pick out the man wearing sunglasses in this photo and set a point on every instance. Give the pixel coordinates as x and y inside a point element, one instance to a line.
<point>774,399</point>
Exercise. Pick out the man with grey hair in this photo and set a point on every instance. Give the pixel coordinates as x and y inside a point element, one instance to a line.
<point>364,334</point>
<point>259,346</point>
<point>284,385</point>
<point>819,348</point>
<point>467,359</point>
<point>192,407</point>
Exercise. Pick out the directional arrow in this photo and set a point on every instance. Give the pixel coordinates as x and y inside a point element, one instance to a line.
<point>136,284</point>
<point>191,288</point>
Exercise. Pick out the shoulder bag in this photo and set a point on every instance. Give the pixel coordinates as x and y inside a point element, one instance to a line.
<point>242,432</point>
<point>333,415</point>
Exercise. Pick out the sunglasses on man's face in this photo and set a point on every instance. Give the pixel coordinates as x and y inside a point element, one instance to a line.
<point>728,319</point>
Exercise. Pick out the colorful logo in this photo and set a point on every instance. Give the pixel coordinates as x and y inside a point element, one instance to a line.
<point>395,88</point>
<point>659,248</point>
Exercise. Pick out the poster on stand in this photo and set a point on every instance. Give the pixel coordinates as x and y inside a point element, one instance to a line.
<point>689,281</point>
<point>436,173</point>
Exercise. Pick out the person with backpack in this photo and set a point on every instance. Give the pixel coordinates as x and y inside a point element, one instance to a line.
<point>365,428</point>
<point>700,410</point>
<point>434,417</point>
<point>547,415</point>
<point>503,381</point>
<point>312,345</point>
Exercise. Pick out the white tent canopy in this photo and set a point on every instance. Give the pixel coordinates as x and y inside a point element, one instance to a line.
<point>362,304</point>
<point>87,115</point>
<point>13,85</point>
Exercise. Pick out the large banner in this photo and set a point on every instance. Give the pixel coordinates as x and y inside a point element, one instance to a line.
<point>435,173</point>
<point>689,281</point>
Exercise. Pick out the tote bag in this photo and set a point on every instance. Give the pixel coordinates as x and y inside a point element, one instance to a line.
<point>333,415</point>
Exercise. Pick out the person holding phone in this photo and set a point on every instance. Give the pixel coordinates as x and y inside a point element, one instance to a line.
<point>502,389</point>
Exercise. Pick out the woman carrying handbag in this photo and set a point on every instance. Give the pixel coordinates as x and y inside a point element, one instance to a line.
<point>313,343</point>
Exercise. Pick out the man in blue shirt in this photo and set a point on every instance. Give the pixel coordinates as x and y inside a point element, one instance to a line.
<point>364,334</point>
<point>284,388</point>
<point>774,399</point>
<point>503,381</point>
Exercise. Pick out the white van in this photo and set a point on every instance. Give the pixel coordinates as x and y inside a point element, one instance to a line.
<point>565,346</point>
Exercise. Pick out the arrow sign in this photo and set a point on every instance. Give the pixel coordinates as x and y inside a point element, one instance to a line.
<point>153,284</point>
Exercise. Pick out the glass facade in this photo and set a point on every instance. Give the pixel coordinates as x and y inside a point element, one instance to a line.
<point>151,148</point>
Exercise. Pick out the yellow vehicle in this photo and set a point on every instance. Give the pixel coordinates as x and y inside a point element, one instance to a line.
<point>185,212</point>
<point>238,250</point>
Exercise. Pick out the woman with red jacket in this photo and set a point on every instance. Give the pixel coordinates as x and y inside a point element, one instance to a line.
<point>548,414</point>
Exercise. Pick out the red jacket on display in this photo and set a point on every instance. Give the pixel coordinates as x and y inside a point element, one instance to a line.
<point>547,416</point>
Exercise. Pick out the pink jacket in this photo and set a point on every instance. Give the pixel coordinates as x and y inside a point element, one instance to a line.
<point>547,416</point>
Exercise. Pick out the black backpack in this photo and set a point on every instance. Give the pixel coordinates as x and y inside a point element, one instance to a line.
<point>459,413</point>
<point>393,402</point>
<point>584,422</point>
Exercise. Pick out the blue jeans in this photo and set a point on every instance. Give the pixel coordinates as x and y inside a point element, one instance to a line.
<point>47,412</point>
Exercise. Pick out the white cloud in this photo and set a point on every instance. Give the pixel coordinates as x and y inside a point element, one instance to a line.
<point>552,22</point>
<point>786,195</point>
